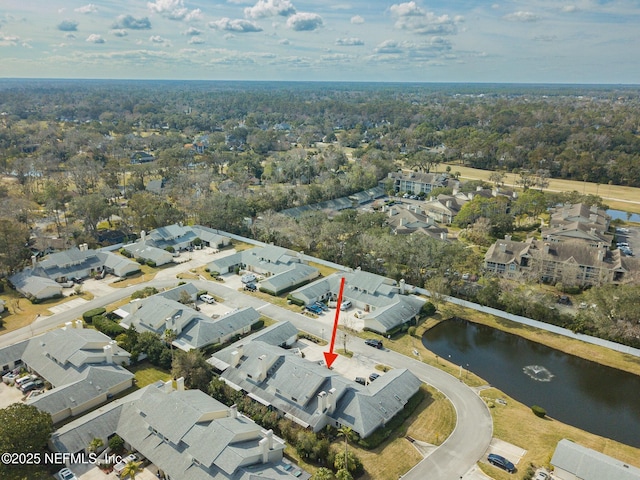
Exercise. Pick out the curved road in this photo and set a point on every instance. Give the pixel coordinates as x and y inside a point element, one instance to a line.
<point>452,460</point>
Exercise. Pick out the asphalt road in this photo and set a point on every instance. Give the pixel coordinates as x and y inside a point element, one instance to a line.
<point>451,461</point>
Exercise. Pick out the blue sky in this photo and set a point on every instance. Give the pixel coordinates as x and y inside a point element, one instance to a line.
<point>584,41</point>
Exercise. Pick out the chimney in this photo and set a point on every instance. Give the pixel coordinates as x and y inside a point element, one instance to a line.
<point>507,238</point>
<point>494,192</point>
<point>443,235</point>
<point>403,222</point>
<point>448,203</point>
<point>263,367</point>
<point>264,448</point>
<point>594,209</point>
<point>108,353</point>
<point>34,261</point>
<point>235,358</point>
<point>322,401</point>
<point>269,437</point>
<point>600,255</point>
<point>545,249</point>
<point>79,324</point>
<point>456,190</point>
<point>402,286</point>
<point>180,384</point>
<point>592,231</point>
<point>143,235</point>
<point>593,218</point>
<point>502,247</point>
<point>479,188</point>
<point>168,386</point>
<point>331,401</point>
<point>233,411</point>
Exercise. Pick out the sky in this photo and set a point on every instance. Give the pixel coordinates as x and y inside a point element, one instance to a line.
<point>513,41</point>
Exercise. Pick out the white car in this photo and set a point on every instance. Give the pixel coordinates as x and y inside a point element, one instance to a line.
<point>207,298</point>
<point>66,474</point>
<point>541,476</point>
<point>346,305</point>
<point>118,467</point>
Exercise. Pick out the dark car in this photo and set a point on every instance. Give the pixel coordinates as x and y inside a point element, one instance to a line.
<point>372,342</point>
<point>314,309</point>
<point>361,380</point>
<point>373,376</point>
<point>501,462</point>
<point>252,287</point>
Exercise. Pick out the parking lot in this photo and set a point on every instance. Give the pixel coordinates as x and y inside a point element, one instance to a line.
<point>9,395</point>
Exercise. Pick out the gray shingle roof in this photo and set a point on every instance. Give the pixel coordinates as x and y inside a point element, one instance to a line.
<point>589,464</point>
<point>291,277</point>
<point>203,332</point>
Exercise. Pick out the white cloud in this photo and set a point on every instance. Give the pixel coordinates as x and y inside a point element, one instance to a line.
<point>174,10</point>
<point>237,25</point>
<point>132,23</point>
<point>68,26</point>
<point>90,8</point>
<point>409,16</point>
<point>156,39</point>
<point>389,46</point>
<point>429,49</point>
<point>196,41</point>
<point>192,32</point>
<point>284,41</point>
<point>270,8</point>
<point>8,40</point>
<point>69,35</point>
<point>304,21</point>
<point>349,42</point>
<point>119,32</point>
<point>570,9</point>
<point>357,20</point>
<point>95,38</point>
<point>522,16</point>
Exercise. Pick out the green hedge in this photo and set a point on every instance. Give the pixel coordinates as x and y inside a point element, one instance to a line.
<point>428,309</point>
<point>106,326</point>
<point>295,301</point>
<point>257,325</point>
<point>89,314</point>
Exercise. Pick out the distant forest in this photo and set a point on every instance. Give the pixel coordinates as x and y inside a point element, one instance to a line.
<point>586,133</point>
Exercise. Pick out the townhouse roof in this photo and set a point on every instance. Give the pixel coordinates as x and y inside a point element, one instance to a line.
<point>589,464</point>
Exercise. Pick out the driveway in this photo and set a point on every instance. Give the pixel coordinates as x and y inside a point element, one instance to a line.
<point>9,395</point>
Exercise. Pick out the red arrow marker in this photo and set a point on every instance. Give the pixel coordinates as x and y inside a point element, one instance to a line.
<point>330,357</point>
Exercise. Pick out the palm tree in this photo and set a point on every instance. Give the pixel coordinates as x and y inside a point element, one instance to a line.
<point>347,433</point>
<point>169,336</point>
<point>131,469</point>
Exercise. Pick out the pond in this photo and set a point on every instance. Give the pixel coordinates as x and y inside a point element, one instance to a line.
<point>592,397</point>
<point>620,215</point>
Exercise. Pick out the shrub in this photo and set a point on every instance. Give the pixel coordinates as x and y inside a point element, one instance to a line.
<point>170,249</point>
<point>539,411</point>
<point>125,253</point>
<point>141,260</point>
<point>428,309</point>
<point>106,326</point>
<point>295,301</point>
<point>411,331</point>
<point>89,314</point>
<point>151,263</point>
<point>116,444</point>
<point>257,325</point>
<point>145,292</point>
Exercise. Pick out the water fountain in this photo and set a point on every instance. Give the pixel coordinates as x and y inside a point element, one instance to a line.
<point>538,373</point>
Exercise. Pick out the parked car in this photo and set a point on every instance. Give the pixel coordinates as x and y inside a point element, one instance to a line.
<point>118,467</point>
<point>322,306</point>
<point>541,476</point>
<point>207,298</point>
<point>373,376</point>
<point>27,386</point>
<point>372,342</point>
<point>564,300</point>
<point>66,474</point>
<point>361,380</point>
<point>501,462</point>
<point>248,278</point>
<point>252,287</point>
<point>346,305</point>
<point>314,309</point>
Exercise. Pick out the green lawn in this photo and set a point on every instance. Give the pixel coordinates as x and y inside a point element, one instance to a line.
<point>146,374</point>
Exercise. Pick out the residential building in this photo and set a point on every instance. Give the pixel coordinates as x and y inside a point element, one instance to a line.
<point>572,461</point>
<point>571,262</point>
<point>185,434</point>
<point>147,252</point>
<point>580,212</point>
<point>311,394</point>
<point>283,269</point>
<point>42,279</point>
<point>418,182</point>
<point>181,237</point>
<point>576,230</point>
<point>83,366</point>
<point>383,301</point>
<point>162,312</point>
<point>444,208</point>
